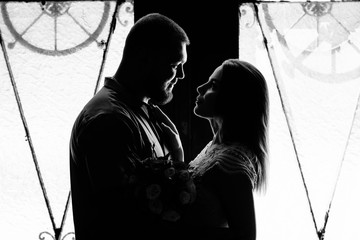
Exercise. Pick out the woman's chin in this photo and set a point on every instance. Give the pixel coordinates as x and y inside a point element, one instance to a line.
<point>196,110</point>
<point>198,113</point>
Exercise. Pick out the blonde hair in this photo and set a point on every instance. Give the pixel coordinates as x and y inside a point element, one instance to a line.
<point>243,105</point>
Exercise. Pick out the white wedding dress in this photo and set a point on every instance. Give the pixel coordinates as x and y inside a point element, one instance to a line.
<point>208,169</point>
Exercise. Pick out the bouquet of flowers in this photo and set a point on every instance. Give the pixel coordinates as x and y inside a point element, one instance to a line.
<point>162,187</point>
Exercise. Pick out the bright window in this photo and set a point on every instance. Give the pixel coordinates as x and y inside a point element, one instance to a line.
<point>310,55</point>
<point>55,53</point>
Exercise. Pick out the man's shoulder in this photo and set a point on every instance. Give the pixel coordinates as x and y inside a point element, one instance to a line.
<point>106,102</point>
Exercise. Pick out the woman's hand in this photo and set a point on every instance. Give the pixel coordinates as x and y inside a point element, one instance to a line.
<point>171,133</point>
<point>175,146</point>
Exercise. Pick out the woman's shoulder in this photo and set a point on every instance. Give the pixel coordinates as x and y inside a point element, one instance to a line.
<point>235,159</point>
<point>228,158</point>
<point>232,156</point>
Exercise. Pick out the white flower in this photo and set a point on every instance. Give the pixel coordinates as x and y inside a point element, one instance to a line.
<point>153,191</point>
<point>156,206</point>
<point>169,172</point>
<point>170,215</point>
<point>184,175</point>
<point>184,197</point>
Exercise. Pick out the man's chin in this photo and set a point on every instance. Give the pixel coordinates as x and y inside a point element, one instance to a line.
<point>164,100</point>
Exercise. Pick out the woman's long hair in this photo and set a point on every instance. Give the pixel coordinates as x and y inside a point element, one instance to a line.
<point>244,104</point>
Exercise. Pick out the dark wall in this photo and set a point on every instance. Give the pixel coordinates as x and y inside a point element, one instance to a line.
<point>213,29</point>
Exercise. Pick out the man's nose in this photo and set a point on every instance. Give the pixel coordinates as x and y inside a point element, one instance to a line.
<point>180,72</point>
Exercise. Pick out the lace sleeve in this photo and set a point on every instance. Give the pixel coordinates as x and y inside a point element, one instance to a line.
<point>236,159</point>
<point>231,159</point>
<point>200,158</point>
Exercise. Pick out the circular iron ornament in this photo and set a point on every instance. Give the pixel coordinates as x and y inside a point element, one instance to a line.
<point>318,10</point>
<point>250,18</point>
<point>128,6</point>
<point>54,9</point>
<point>49,236</point>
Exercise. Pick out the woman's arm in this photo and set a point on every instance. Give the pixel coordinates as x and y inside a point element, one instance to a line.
<point>236,195</point>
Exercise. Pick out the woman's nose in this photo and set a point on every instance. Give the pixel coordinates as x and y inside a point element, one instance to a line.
<point>200,89</point>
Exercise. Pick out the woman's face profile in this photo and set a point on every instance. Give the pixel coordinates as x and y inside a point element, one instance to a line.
<point>205,105</point>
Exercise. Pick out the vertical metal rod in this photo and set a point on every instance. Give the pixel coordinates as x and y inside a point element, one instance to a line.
<point>27,132</point>
<point>286,116</point>
<point>111,32</point>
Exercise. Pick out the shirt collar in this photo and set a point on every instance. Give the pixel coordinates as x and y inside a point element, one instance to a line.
<point>123,92</point>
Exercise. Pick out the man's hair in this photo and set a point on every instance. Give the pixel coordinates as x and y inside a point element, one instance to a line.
<point>154,32</point>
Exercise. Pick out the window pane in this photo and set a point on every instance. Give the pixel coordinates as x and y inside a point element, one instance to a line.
<point>311,62</point>
<point>55,52</point>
